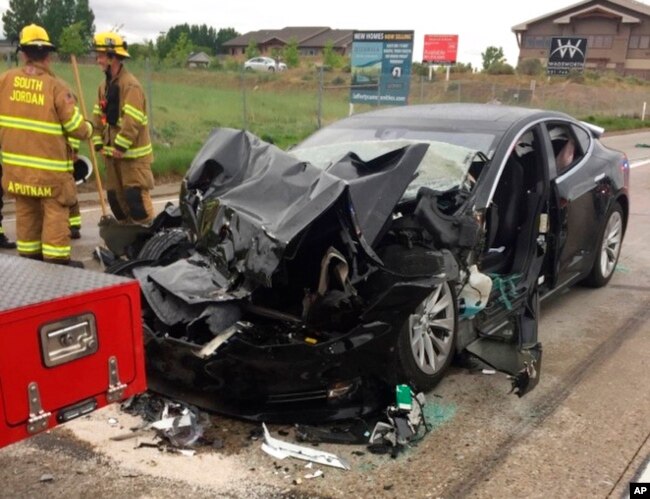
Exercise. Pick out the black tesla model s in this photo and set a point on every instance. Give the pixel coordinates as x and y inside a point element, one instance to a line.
<point>300,285</point>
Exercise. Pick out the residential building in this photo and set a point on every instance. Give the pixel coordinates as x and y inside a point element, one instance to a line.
<point>617,32</point>
<point>311,40</point>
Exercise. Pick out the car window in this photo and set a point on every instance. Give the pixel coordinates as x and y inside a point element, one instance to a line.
<point>583,137</point>
<point>477,140</point>
<point>567,149</point>
<point>443,167</point>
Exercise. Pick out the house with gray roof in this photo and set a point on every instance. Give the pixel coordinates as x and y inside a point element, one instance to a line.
<point>198,60</point>
<point>617,32</point>
<point>311,40</point>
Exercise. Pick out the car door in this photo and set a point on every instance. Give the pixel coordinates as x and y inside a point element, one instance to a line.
<point>575,177</point>
<point>507,327</point>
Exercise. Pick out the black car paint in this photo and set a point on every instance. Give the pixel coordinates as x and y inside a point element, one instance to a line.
<point>277,381</point>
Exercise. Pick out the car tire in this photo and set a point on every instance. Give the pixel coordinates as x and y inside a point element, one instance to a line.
<point>426,343</point>
<point>609,248</point>
<point>271,69</point>
<point>166,246</point>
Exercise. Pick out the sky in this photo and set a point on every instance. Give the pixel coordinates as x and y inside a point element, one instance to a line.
<point>478,23</point>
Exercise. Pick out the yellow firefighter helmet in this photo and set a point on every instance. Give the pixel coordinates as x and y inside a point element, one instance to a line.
<point>36,37</point>
<point>111,43</point>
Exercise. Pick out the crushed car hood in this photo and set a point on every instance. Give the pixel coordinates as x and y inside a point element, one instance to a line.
<point>254,199</point>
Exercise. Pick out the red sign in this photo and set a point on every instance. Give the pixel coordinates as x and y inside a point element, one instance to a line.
<point>440,49</point>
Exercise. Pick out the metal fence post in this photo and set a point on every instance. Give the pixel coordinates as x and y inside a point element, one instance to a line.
<point>147,67</point>
<point>421,89</point>
<point>243,96</point>
<point>320,97</point>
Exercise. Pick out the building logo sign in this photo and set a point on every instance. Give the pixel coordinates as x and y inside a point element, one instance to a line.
<point>566,54</point>
<point>381,67</point>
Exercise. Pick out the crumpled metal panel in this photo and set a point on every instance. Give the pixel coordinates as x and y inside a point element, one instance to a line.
<point>256,198</point>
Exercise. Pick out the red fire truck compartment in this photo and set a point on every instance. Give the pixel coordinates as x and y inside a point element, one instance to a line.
<point>70,342</point>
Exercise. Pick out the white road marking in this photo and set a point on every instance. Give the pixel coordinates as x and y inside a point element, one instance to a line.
<point>645,475</point>
<point>642,162</point>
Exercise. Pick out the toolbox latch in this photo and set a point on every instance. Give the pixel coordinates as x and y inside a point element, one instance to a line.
<point>115,387</point>
<point>38,418</point>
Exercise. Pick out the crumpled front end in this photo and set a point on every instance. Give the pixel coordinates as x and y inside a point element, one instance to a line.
<point>282,309</point>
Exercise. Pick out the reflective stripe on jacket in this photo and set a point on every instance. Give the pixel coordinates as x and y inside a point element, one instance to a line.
<point>130,133</point>
<point>38,114</point>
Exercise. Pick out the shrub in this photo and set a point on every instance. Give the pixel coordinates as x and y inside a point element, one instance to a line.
<point>530,67</point>
<point>501,68</point>
<point>576,76</point>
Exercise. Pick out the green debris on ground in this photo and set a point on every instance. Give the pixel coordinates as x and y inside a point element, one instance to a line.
<point>436,413</point>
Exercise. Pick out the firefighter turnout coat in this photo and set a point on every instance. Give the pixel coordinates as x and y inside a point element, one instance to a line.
<point>121,124</point>
<point>120,119</point>
<point>38,114</point>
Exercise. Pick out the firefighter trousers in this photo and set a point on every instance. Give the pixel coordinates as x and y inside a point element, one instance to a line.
<point>128,186</point>
<point>75,216</point>
<point>42,229</point>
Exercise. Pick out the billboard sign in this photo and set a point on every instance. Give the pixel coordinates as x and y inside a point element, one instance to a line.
<point>381,67</point>
<point>440,49</point>
<point>566,54</point>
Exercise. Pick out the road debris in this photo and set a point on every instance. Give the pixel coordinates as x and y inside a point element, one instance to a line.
<point>174,422</point>
<point>404,424</point>
<point>281,450</point>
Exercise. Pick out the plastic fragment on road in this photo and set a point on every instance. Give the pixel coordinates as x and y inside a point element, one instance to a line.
<point>315,474</point>
<point>181,430</point>
<point>281,450</point>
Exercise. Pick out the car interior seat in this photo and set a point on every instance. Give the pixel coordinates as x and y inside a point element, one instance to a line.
<point>505,216</point>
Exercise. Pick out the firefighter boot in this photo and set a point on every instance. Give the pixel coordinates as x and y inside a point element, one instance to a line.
<point>6,243</point>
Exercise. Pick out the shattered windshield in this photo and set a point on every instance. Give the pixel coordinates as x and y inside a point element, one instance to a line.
<point>444,165</point>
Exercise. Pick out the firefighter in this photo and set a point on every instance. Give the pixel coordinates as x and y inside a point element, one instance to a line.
<point>122,133</point>
<point>5,243</point>
<point>39,113</point>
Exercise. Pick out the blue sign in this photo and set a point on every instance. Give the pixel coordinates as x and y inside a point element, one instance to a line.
<point>381,67</point>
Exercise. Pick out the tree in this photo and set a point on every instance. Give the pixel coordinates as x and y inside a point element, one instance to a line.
<point>53,15</point>
<point>492,55</point>
<point>57,14</point>
<point>19,14</point>
<point>252,50</point>
<point>203,36</point>
<point>331,57</point>
<point>142,50</point>
<point>291,53</point>
<point>224,35</point>
<point>179,53</point>
<point>73,40</point>
<point>84,14</point>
